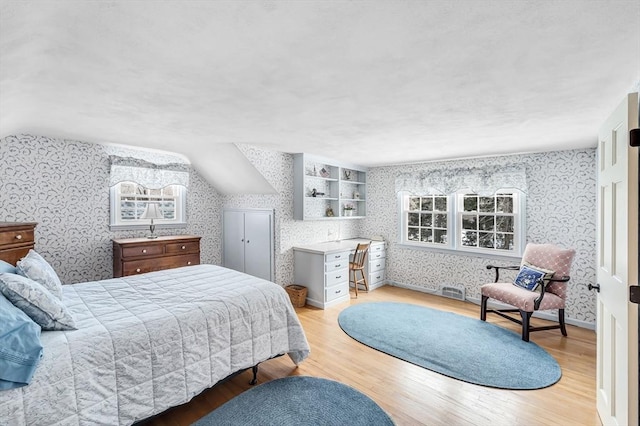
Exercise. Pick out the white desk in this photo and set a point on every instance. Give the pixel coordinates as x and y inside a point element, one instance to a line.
<point>324,269</point>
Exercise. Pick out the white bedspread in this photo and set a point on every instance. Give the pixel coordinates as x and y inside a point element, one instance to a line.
<point>149,342</point>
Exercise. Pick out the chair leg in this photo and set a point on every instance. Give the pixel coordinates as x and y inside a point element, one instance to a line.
<point>355,282</point>
<point>483,308</point>
<point>563,328</point>
<point>364,278</point>
<point>526,317</point>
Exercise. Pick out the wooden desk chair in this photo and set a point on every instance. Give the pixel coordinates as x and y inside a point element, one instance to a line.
<point>357,265</point>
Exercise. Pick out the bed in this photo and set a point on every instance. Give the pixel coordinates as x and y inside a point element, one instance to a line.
<point>149,342</point>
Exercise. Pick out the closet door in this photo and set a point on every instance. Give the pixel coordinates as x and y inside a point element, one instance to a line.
<point>233,240</point>
<point>258,244</point>
<point>248,242</point>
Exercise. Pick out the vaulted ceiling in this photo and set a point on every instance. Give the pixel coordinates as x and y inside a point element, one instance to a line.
<point>372,82</point>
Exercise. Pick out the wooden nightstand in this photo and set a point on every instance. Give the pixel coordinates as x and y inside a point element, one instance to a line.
<point>133,256</point>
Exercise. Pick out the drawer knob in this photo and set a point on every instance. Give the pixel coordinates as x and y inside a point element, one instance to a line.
<point>183,247</point>
<point>188,263</point>
<point>338,291</point>
<point>138,270</point>
<point>18,237</point>
<point>338,277</point>
<point>338,265</point>
<point>144,250</point>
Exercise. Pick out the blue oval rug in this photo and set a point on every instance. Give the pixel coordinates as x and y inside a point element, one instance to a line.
<point>454,345</point>
<point>298,400</point>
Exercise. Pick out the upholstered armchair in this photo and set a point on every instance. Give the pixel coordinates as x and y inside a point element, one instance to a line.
<point>541,284</point>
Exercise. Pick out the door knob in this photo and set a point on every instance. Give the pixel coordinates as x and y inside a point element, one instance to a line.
<point>595,287</point>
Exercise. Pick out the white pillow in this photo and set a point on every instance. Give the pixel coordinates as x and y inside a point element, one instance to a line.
<point>36,301</point>
<point>34,267</point>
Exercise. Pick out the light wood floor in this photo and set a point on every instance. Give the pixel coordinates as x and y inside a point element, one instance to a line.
<point>413,395</point>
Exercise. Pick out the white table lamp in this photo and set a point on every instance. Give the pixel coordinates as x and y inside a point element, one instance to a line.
<point>152,211</point>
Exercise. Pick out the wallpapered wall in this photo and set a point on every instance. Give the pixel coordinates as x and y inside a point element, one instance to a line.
<point>561,209</point>
<point>63,185</point>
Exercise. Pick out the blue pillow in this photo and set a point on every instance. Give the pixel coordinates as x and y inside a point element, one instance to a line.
<point>7,267</point>
<point>20,347</point>
<point>529,277</point>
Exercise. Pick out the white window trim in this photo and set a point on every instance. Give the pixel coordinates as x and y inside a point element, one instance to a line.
<point>454,218</point>
<point>179,222</point>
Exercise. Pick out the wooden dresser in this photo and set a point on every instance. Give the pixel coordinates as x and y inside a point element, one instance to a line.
<point>139,255</point>
<point>16,239</point>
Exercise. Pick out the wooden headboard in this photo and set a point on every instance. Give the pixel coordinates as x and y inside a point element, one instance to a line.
<point>16,239</point>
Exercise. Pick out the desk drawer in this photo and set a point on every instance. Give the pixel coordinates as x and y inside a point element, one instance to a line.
<point>376,277</point>
<point>335,277</point>
<point>375,248</point>
<point>332,293</point>
<point>377,255</point>
<point>376,265</point>
<point>334,257</point>
<point>336,266</point>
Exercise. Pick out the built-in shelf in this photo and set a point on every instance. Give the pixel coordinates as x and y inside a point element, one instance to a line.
<point>338,185</point>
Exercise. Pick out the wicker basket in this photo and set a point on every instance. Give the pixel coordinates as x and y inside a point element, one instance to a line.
<point>297,294</point>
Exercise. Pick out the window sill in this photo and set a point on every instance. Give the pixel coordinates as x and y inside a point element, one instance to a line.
<point>139,227</point>
<point>446,250</point>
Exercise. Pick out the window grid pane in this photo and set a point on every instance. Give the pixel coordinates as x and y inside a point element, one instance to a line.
<point>488,222</point>
<point>427,219</point>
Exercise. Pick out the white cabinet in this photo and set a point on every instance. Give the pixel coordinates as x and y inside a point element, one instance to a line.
<point>324,269</point>
<point>325,189</point>
<point>326,276</point>
<point>248,242</point>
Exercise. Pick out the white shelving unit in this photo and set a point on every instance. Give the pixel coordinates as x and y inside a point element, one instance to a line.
<point>323,188</point>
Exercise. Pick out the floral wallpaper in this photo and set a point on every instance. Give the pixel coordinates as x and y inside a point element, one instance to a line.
<point>64,186</point>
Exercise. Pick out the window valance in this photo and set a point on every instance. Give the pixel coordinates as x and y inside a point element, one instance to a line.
<point>482,181</point>
<point>149,175</point>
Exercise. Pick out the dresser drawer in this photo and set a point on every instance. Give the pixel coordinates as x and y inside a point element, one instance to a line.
<point>134,267</point>
<point>185,247</point>
<point>139,255</point>
<point>17,237</point>
<point>141,251</point>
<point>182,260</point>
<point>332,293</point>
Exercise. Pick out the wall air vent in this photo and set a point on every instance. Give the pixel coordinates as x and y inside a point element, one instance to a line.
<point>452,292</point>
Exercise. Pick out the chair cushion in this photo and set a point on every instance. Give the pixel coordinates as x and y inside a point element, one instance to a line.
<point>520,298</point>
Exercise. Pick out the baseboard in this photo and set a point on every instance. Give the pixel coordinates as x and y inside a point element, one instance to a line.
<point>541,315</point>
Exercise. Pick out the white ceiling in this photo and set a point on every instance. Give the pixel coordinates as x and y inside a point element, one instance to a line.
<point>370,82</point>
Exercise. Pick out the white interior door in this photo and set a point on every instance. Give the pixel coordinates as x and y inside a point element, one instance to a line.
<point>617,257</point>
<point>258,253</point>
<point>233,240</point>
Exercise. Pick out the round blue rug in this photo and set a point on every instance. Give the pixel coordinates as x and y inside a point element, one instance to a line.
<point>298,400</point>
<point>454,345</point>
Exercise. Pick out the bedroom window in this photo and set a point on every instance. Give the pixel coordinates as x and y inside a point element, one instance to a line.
<point>489,223</point>
<point>130,200</point>
<point>136,183</point>
<point>464,222</point>
<point>427,219</point>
